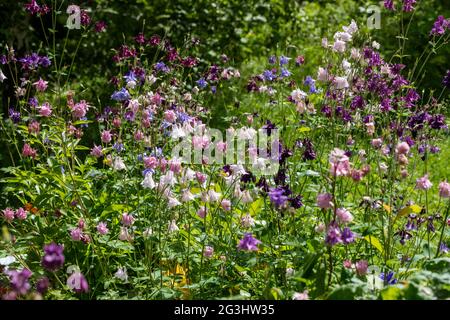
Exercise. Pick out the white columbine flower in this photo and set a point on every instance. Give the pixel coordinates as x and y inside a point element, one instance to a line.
<point>173,226</point>
<point>122,274</point>
<point>298,95</point>
<point>118,164</point>
<point>148,182</point>
<point>2,76</point>
<point>341,82</point>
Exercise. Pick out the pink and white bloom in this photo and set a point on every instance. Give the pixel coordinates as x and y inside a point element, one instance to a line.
<point>41,85</point>
<point>423,183</point>
<point>8,214</point>
<point>45,110</point>
<point>21,214</point>
<point>444,189</point>
<point>324,200</point>
<point>344,215</point>
<point>102,228</point>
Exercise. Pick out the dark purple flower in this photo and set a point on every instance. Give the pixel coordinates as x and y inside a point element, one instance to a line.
<point>285,73</point>
<point>446,80</point>
<point>14,115</point>
<point>32,7</point>
<point>45,61</point>
<point>154,40</point>
<point>53,257</point>
<point>296,202</point>
<point>100,26</point>
<point>308,153</point>
<point>140,38</point>
<point>42,285</point>
<point>161,66</point>
<point>272,59</point>
<point>408,5</point>
<point>411,97</point>
<point>389,4</point>
<point>358,103</point>
<point>440,26</point>
<point>85,18</point>
<point>249,243</point>
<point>437,121</point>
<point>19,281</point>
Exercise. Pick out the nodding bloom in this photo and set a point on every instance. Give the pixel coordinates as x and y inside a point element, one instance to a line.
<point>42,285</point>
<point>100,26</point>
<point>148,182</point>
<point>333,235</point>
<point>423,183</point>
<point>225,204</point>
<point>300,295</point>
<point>341,83</point>
<point>173,226</point>
<point>78,283</point>
<point>248,243</point>
<point>247,221</point>
<point>277,197</point>
<point>121,95</point>
<point>389,4</point>
<point>21,214</point>
<point>122,274</point>
<point>402,148</point>
<point>170,116</point>
<point>440,26</point>
<point>76,234</point>
<point>444,189</point>
<point>8,214</point>
<point>19,281</point>
<point>127,219</point>
<point>28,151</point>
<point>340,165</point>
<point>208,251</point>
<point>106,136</point>
<point>202,212</point>
<point>361,267</point>
<point>79,110</point>
<point>324,200</point>
<point>53,258</point>
<point>284,60</point>
<point>408,5</point>
<point>377,143</point>
<point>97,151</point>
<point>45,110</point>
<point>388,278</point>
<point>347,236</point>
<point>102,228</point>
<point>446,80</point>
<point>41,85</point>
<point>344,215</point>
<point>2,76</point>
<point>201,83</point>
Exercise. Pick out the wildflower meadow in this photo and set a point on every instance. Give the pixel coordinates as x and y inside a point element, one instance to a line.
<point>185,150</point>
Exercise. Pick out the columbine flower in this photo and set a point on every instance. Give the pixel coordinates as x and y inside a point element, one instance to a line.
<point>78,283</point>
<point>324,200</point>
<point>173,226</point>
<point>249,243</point>
<point>45,110</point>
<point>298,95</point>
<point>97,151</point>
<point>440,26</point>
<point>79,110</point>
<point>28,151</point>
<point>408,5</point>
<point>389,4</point>
<point>42,285</point>
<point>388,278</point>
<point>341,83</point>
<point>284,60</point>
<point>118,164</point>
<point>41,85</point>
<point>127,219</point>
<point>208,251</point>
<point>21,214</point>
<point>53,257</point>
<point>121,95</point>
<point>201,83</point>
<point>122,274</point>
<point>277,197</point>
<point>444,189</point>
<point>361,267</point>
<point>423,183</point>
<point>102,228</point>
<point>347,236</point>
<point>247,221</point>
<point>19,281</point>
<point>76,234</point>
<point>340,165</point>
<point>300,295</point>
<point>148,182</point>
<point>2,76</point>
<point>344,215</point>
<point>8,214</point>
<point>333,234</point>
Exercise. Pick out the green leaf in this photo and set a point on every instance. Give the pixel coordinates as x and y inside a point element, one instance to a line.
<point>374,242</point>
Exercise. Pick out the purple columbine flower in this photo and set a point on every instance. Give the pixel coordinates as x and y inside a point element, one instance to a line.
<point>284,60</point>
<point>53,257</point>
<point>285,73</point>
<point>389,4</point>
<point>272,59</point>
<point>388,278</point>
<point>19,281</point>
<point>14,115</point>
<point>347,236</point>
<point>443,248</point>
<point>130,76</point>
<point>121,95</point>
<point>248,243</point>
<point>161,66</point>
<point>78,283</point>
<point>277,197</point>
<point>268,75</point>
<point>42,285</point>
<point>440,26</point>
<point>408,5</point>
<point>333,236</point>
<point>446,80</point>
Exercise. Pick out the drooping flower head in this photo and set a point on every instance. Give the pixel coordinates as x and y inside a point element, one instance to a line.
<point>248,243</point>
<point>53,257</point>
<point>423,183</point>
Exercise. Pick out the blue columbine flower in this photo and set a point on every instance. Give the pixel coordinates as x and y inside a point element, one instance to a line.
<point>285,73</point>
<point>121,95</point>
<point>268,75</point>
<point>388,278</point>
<point>272,59</point>
<point>119,147</point>
<point>130,76</point>
<point>284,60</point>
<point>148,170</point>
<point>201,83</point>
<point>161,66</point>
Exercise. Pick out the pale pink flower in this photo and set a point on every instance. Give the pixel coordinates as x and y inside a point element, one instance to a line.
<point>226,204</point>
<point>150,162</point>
<point>402,148</point>
<point>21,214</point>
<point>45,110</point>
<point>106,136</point>
<point>208,251</point>
<point>324,200</point>
<point>127,219</point>
<point>28,151</point>
<point>8,213</point>
<point>344,215</point>
<point>102,228</point>
<point>444,189</point>
<point>423,183</point>
<point>79,110</point>
<point>377,143</point>
<point>41,85</point>
<point>97,151</point>
<point>170,116</point>
<point>361,267</point>
<point>76,234</point>
<point>300,295</point>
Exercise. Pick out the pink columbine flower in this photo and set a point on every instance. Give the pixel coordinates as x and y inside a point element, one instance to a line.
<point>150,162</point>
<point>127,219</point>
<point>423,183</point>
<point>28,151</point>
<point>340,165</point>
<point>45,110</point>
<point>97,151</point>
<point>444,189</point>
<point>226,204</point>
<point>79,110</point>
<point>347,264</point>
<point>402,148</point>
<point>102,228</point>
<point>202,212</point>
<point>76,234</point>
<point>8,213</point>
<point>170,116</point>
<point>324,200</point>
<point>377,143</point>
<point>34,127</point>
<point>106,136</point>
<point>41,85</point>
<point>300,295</point>
<point>175,165</point>
<point>344,215</point>
<point>138,135</point>
<point>208,251</point>
<point>361,267</point>
<point>21,214</point>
